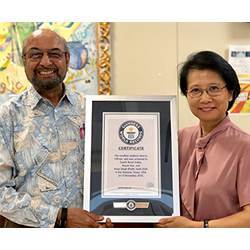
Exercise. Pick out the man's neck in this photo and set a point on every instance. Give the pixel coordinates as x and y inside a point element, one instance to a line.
<point>53,95</point>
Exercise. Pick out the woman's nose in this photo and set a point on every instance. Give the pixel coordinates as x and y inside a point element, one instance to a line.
<point>205,96</point>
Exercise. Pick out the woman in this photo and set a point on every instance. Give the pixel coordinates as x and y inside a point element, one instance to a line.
<point>214,156</point>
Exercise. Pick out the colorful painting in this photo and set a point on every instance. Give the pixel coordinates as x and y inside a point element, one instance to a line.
<point>89,69</point>
<point>242,103</point>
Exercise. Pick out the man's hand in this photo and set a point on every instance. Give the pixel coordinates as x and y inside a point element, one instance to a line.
<point>78,217</point>
<point>108,224</point>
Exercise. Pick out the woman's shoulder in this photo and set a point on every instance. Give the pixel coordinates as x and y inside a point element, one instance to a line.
<point>187,137</point>
<point>235,137</point>
<point>188,131</point>
<point>236,131</point>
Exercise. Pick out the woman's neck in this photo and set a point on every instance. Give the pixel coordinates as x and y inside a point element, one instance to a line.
<point>207,127</point>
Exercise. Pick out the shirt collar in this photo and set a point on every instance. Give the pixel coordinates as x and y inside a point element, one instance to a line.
<point>35,97</point>
<point>70,95</point>
<point>201,142</point>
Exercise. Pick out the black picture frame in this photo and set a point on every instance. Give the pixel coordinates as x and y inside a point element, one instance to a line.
<point>131,209</point>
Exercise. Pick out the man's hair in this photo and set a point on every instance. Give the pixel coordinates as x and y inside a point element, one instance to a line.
<point>208,60</point>
<point>66,48</point>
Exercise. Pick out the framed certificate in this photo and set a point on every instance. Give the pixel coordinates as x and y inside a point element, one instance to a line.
<point>131,158</point>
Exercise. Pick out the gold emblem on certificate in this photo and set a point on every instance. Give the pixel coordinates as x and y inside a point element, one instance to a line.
<point>131,205</point>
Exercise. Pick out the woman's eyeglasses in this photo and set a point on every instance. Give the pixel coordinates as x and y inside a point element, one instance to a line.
<point>212,90</point>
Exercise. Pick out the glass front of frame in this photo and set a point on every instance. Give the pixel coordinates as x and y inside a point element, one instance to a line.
<point>131,165</point>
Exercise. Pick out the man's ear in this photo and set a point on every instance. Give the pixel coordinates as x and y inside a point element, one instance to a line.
<point>24,59</point>
<point>67,58</point>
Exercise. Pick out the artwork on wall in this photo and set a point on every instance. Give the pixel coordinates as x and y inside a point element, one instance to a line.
<point>89,45</point>
<point>239,58</point>
<point>242,103</point>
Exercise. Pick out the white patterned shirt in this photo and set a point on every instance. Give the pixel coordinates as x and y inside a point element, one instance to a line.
<point>41,157</point>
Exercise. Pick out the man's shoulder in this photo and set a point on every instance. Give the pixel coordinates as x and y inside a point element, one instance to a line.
<point>76,97</point>
<point>14,104</point>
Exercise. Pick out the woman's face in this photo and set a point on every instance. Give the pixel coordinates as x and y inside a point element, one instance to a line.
<point>208,107</point>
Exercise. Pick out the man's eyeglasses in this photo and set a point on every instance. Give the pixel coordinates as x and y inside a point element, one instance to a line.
<point>36,55</point>
<point>212,90</point>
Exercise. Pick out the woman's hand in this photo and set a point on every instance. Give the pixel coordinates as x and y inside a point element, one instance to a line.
<point>178,221</point>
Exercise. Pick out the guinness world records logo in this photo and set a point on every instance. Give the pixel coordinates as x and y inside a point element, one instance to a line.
<point>131,132</point>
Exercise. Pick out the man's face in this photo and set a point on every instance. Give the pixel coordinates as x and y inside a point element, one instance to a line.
<point>45,60</point>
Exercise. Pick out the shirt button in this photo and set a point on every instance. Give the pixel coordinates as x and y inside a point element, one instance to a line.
<point>57,199</point>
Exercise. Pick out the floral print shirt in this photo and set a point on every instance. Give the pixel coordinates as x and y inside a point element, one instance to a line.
<point>41,157</point>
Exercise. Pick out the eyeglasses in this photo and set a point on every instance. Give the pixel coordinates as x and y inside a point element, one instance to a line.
<point>212,90</point>
<point>36,55</point>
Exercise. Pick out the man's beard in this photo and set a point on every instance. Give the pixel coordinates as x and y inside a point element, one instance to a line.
<point>47,84</point>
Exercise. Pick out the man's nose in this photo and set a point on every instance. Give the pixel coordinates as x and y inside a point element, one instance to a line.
<point>45,60</point>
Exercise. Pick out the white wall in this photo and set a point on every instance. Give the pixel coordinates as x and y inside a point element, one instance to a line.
<point>193,37</point>
<point>145,57</point>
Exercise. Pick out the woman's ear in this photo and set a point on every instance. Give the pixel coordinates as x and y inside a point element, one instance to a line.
<point>230,95</point>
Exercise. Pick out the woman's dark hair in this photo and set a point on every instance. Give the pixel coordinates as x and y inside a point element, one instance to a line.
<point>210,60</point>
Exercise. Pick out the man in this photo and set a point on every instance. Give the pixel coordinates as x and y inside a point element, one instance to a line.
<point>42,142</point>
